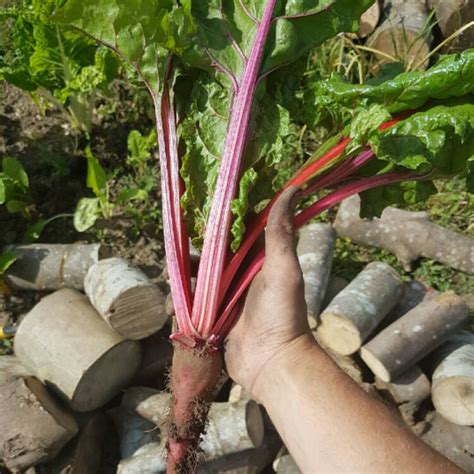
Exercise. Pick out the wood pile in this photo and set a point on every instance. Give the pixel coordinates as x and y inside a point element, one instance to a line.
<point>86,391</point>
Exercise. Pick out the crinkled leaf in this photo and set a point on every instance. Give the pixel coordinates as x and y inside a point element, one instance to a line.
<point>440,139</point>
<point>304,24</point>
<point>86,213</point>
<point>451,76</point>
<point>366,123</point>
<point>139,30</point>
<point>225,31</point>
<point>273,153</point>
<point>139,147</point>
<point>240,207</point>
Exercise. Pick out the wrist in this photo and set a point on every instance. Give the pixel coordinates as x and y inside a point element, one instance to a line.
<point>299,352</point>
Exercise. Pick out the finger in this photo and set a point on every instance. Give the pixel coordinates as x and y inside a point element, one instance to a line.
<point>280,243</point>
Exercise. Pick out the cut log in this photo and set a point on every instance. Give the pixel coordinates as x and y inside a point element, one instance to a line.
<point>407,391</point>
<point>148,403</point>
<point>238,394</point>
<point>335,285</point>
<point>232,426</point>
<point>315,251</point>
<point>52,266</point>
<point>157,352</point>
<point>66,344</point>
<point>126,298</point>
<point>355,312</point>
<point>284,463</point>
<point>413,336</point>
<point>11,369</point>
<point>405,33</point>
<point>134,431</point>
<point>453,380</point>
<point>452,15</point>
<point>408,235</point>
<point>234,435</point>
<point>34,427</point>
<point>453,441</point>
<point>150,459</point>
<point>414,292</point>
<point>84,453</point>
<point>369,20</point>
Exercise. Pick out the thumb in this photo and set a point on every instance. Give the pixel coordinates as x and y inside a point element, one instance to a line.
<point>280,244</point>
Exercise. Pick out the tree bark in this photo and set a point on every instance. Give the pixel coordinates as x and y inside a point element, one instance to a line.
<point>66,344</point>
<point>453,380</point>
<point>355,312</point>
<point>315,251</point>
<point>452,15</point>
<point>52,266</point>
<point>126,298</point>
<point>408,235</point>
<point>11,369</point>
<point>234,434</point>
<point>414,335</point>
<point>369,20</point>
<point>232,427</point>
<point>407,391</point>
<point>34,427</point>
<point>404,34</point>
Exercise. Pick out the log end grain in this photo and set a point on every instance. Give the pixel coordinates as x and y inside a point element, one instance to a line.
<point>339,334</point>
<point>104,379</point>
<point>453,398</point>
<point>375,365</point>
<point>138,312</point>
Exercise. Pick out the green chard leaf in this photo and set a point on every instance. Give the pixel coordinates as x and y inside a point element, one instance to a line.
<point>87,212</point>
<point>211,41</point>
<point>439,140</point>
<point>437,143</point>
<point>451,76</point>
<point>96,177</point>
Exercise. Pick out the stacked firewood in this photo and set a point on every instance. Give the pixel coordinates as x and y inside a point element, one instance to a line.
<point>91,358</point>
<point>90,366</point>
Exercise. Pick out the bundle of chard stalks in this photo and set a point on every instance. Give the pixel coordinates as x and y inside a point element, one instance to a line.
<point>223,75</point>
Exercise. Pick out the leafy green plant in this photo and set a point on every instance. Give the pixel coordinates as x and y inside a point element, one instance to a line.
<point>14,187</point>
<point>62,66</point>
<point>88,210</point>
<point>220,75</point>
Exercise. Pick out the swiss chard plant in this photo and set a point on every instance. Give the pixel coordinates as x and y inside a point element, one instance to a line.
<point>65,68</point>
<point>220,75</point>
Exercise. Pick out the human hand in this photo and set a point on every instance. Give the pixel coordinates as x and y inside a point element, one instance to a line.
<point>273,324</point>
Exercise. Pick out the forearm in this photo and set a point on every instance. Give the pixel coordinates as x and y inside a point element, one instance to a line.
<point>329,424</point>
